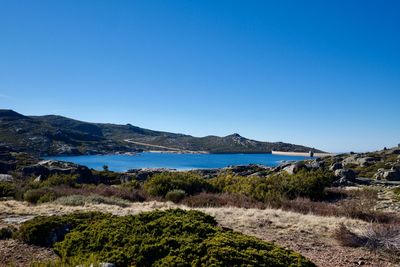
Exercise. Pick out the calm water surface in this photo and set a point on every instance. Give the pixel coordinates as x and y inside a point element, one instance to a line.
<point>174,161</point>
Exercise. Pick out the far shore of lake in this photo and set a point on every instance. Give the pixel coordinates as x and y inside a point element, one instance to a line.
<point>301,154</point>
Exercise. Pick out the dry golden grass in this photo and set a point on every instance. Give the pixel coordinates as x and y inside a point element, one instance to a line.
<point>240,219</point>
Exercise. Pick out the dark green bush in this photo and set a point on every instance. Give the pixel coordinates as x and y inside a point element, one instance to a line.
<point>310,184</point>
<point>158,238</point>
<point>7,189</point>
<point>59,179</point>
<point>161,184</point>
<point>40,195</point>
<point>175,195</point>
<point>6,233</point>
<point>305,183</point>
<point>107,177</point>
<point>45,231</point>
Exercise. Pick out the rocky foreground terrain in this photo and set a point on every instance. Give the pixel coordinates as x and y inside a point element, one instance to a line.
<point>341,210</point>
<point>57,135</point>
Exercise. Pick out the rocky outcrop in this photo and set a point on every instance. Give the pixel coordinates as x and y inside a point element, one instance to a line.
<point>51,167</point>
<point>346,177</point>
<point>295,167</point>
<point>336,166</point>
<point>359,160</point>
<point>391,175</point>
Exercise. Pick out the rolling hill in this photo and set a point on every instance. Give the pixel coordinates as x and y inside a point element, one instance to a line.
<point>57,135</point>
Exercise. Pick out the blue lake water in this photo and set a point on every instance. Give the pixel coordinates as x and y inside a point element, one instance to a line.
<point>174,161</point>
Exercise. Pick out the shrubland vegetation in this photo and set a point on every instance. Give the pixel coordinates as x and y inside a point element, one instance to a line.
<point>310,184</point>
<point>158,238</point>
<point>306,191</point>
<point>161,184</point>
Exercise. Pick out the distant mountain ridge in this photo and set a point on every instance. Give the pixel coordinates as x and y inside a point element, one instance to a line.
<point>57,135</point>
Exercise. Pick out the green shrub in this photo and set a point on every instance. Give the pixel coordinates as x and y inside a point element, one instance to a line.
<point>6,233</point>
<point>305,183</point>
<point>107,177</point>
<point>158,238</point>
<point>45,231</point>
<point>40,195</point>
<point>161,184</point>
<point>59,179</point>
<point>276,187</point>
<point>7,189</point>
<point>175,195</point>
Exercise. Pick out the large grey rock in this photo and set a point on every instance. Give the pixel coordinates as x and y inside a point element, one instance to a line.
<point>350,160</point>
<point>379,174</point>
<point>295,167</point>
<point>336,166</point>
<point>346,174</point>
<point>315,164</point>
<point>359,160</point>
<point>391,175</point>
<point>6,178</point>
<point>366,161</point>
<point>396,151</point>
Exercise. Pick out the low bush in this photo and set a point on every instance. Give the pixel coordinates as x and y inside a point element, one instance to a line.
<point>376,237</point>
<point>80,200</point>
<point>7,189</point>
<point>175,195</point>
<point>158,238</point>
<point>6,233</point>
<point>127,193</point>
<point>276,187</point>
<point>59,179</point>
<point>161,184</point>
<point>40,195</point>
<point>47,194</point>
<point>107,177</point>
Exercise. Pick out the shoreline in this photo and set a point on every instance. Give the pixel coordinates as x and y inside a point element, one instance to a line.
<point>301,154</point>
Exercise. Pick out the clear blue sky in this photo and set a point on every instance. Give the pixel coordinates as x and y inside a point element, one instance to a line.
<point>319,73</point>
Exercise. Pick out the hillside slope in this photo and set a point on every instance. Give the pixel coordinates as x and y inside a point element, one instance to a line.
<point>57,135</point>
